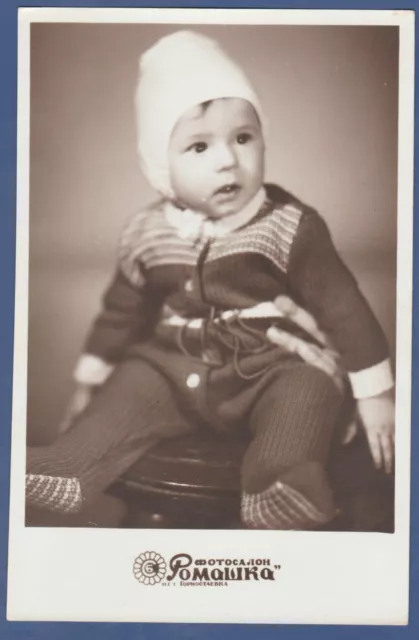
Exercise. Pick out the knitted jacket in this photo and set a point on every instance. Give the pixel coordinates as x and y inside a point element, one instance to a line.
<point>286,249</point>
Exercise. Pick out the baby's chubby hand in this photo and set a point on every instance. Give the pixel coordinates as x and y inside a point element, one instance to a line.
<point>377,416</point>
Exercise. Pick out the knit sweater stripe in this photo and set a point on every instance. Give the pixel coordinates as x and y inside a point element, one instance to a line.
<point>285,250</point>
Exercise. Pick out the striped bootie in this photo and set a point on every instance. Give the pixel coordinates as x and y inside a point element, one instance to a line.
<point>301,499</point>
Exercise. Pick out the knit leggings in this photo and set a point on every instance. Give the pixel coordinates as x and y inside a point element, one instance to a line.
<point>283,479</point>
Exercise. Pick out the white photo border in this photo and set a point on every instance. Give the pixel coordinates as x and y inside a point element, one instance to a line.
<point>86,574</point>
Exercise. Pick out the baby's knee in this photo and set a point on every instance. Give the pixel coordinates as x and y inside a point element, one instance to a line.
<point>310,384</point>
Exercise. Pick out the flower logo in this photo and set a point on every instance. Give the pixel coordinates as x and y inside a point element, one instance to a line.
<point>149,567</point>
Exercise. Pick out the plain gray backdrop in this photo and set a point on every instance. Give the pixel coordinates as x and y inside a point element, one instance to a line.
<point>330,95</point>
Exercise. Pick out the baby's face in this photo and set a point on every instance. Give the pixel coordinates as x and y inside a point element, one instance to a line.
<point>216,157</point>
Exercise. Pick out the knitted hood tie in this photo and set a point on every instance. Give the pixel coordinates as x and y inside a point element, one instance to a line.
<point>53,493</point>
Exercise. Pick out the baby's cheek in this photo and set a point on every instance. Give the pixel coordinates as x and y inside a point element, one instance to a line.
<point>248,159</point>
<point>181,176</point>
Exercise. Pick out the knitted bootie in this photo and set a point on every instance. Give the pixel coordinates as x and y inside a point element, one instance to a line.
<point>54,493</point>
<point>301,499</point>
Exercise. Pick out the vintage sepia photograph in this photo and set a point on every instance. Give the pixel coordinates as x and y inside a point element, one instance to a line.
<point>213,279</point>
<point>231,363</point>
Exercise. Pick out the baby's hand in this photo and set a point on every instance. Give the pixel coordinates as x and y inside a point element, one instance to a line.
<point>78,403</point>
<point>301,317</point>
<point>377,416</point>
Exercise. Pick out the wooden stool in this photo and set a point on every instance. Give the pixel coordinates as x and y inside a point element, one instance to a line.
<point>193,482</point>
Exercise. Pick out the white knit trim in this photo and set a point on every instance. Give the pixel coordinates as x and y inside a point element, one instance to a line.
<point>92,370</point>
<point>372,381</point>
<point>262,310</point>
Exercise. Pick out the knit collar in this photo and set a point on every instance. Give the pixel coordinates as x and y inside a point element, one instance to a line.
<point>195,226</point>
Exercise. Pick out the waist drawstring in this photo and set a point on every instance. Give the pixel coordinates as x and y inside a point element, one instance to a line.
<point>232,338</point>
<point>241,345</point>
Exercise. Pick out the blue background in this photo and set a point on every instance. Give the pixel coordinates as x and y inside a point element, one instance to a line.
<point>8,102</point>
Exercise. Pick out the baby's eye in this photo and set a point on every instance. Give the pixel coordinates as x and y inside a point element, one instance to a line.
<point>199,147</point>
<point>243,138</point>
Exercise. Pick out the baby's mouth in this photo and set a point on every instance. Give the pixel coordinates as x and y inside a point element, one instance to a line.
<point>228,189</point>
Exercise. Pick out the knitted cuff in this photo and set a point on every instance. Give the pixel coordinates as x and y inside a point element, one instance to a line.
<point>373,381</point>
<point>53,493</point>
<point>91,370</point>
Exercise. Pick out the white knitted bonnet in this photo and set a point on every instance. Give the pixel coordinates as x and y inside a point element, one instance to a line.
<point>179,72</point>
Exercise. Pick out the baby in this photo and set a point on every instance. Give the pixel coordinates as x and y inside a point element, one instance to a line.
<point>217,314</point>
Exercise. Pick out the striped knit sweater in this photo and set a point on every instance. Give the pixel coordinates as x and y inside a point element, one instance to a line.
<point>286,249</point>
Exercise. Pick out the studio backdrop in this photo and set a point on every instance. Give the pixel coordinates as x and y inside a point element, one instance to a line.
<point>330,95</point>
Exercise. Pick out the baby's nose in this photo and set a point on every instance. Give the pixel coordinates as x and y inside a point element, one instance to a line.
<point>225,157</point>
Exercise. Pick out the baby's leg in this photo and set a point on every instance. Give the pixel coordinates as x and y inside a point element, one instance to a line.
<point>284,485</point>
<point>132,412</point>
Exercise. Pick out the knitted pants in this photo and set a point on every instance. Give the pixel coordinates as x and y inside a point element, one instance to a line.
<point>283,480</point>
